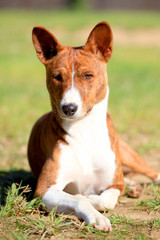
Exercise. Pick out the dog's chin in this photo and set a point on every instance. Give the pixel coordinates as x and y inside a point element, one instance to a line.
<point>75,117</point>
<point>71,118</point>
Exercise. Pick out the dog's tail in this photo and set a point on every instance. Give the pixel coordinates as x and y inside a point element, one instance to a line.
<point>135,162</point>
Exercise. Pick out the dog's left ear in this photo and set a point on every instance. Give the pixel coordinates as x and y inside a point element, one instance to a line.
<point>100,41</point>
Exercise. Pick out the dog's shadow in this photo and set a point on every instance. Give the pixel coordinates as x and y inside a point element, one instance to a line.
<point>22,177</point>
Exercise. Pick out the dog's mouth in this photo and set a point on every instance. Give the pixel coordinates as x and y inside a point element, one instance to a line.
<point>70,118</point>
<point>63,116</point>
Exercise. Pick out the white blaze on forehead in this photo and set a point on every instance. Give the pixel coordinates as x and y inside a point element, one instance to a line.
<point>72,95</point>
<point>73,72</point>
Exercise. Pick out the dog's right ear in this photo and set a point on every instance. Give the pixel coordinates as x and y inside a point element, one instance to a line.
<point>45,43</point>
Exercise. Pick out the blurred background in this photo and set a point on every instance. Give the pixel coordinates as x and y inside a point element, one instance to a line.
<point>134,69</point>
<point>94,4</point>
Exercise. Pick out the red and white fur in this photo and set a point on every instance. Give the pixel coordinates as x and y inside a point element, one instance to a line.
<point>74,150</point>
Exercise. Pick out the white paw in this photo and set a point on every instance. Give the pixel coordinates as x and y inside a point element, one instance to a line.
<point>102,223</point>
<point>107,199</point>
<point>90,215</point>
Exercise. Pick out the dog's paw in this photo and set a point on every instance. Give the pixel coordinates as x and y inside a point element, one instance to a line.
<point>133,189</point>
<point>157,181</point>
<point>107,199</point>
<point>90,215</point>
<point>102,223</point>
<point>99,221</point>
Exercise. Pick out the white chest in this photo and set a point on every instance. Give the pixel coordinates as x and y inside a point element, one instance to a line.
<point>87,163</point>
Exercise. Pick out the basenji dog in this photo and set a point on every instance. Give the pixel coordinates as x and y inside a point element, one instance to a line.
<point>74,150</point>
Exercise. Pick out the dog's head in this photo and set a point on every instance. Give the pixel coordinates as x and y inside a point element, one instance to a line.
<point>76,76</point>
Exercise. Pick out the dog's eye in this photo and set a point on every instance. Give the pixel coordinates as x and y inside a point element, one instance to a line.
<point>58,77</point>
<point>88,76</point>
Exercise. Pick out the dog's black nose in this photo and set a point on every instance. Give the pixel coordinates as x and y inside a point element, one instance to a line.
<point>69,109</point>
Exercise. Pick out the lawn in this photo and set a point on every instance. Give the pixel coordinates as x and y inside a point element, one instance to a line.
<point>134,73</point>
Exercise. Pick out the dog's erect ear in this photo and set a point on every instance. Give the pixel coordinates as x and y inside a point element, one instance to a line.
<point>45,43</point>
<point>100,41</point>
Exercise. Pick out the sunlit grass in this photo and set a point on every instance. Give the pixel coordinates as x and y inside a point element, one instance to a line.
<point>22,219</point>
<point>151,204</point>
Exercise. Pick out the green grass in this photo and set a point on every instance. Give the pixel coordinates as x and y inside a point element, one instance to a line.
<point>16,26</point>
<point>82,18</point>
<point>134,104</point>
<point>21,219</point>
<point>151,204</point>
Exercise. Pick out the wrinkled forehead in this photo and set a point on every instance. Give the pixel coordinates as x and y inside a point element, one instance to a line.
<point>76,59</point>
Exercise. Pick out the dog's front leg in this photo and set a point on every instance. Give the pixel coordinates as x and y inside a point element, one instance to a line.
<point>106,199</point>
<point>77,205</point>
